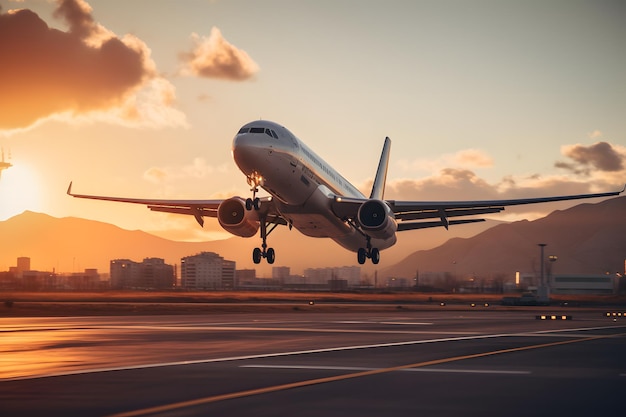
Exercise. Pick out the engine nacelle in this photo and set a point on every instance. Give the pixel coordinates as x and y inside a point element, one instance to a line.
<point>234,217</point>
<point>376,219</point>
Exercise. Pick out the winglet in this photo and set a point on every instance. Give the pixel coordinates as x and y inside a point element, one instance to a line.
<point>378,189</point>
<point>69,189</point>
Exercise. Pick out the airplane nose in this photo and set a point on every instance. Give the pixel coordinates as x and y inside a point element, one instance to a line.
<point>245,151</point>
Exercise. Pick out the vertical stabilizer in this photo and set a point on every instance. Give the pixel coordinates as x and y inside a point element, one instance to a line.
<point>378,189</point>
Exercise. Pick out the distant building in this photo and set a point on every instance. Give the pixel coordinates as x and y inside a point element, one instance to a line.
<point>583,284</point>
<point>228,275</point>
<point>207,271</point>
<point>80,281</point>
<point>23,265</point>
<point>351,275</point>
<point>152,273</point>
<point>244,275</point>
<point>280,273</point>
<point>124,273</point>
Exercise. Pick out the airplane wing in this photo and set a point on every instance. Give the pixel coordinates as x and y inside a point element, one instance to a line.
<point>197,208</point>
<point>411,214</point>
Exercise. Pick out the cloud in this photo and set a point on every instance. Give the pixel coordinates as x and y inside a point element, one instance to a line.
<point>596,134</point>
<point>604,165</point>
<point>600,156</point>
<point>464,159</point>
<point>155,175</point>
<point>83,74</point>
<point>473,157</point>
<point>197,169</point>
<point>215,57</point>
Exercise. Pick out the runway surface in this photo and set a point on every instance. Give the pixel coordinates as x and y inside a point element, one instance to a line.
<point>304,363</point>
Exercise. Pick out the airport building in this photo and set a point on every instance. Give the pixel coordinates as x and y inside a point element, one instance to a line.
<point>152,273</point>
<point>584,284</point>
<point>207,271</point>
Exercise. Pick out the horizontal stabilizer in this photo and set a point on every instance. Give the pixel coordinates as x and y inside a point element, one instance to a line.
<point>425,225</point>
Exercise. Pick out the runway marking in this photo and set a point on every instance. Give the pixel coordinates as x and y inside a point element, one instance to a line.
<point>385,322</point>
<point>544,333</point>
<point>360,368</point>
<point>317,381</point>
<point>258,356</point>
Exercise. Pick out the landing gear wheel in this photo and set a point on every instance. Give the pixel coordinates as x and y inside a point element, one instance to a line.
<point>375,255</point>
<point>253,203</point>
<point>361,256</point>
<point>270,255</point>
<point>257,255</point>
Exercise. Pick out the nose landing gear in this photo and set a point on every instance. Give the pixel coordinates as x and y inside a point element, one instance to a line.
<point>254,180</point>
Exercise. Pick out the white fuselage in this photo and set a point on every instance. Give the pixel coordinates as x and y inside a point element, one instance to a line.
<point>301,183</point>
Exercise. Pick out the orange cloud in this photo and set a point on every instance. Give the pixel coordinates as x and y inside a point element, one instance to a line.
<point>467,159</point>
<point>85,71</point>
<point>215,57</point>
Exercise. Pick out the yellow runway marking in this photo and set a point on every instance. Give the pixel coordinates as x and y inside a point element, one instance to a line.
<point>309,382</point>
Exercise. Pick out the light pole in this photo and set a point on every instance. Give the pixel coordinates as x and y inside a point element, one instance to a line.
<point>543,293</point>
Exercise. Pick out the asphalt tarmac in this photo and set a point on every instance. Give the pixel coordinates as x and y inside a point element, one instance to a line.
<point>479,362</point>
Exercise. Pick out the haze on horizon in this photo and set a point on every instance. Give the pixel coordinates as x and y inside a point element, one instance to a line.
<point>482,99</point>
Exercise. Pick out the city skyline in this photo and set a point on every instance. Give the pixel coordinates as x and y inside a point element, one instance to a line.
<point>496,99</point>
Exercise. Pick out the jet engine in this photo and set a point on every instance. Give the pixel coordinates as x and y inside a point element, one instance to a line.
<point>376,219</point>
<point>234,217</point>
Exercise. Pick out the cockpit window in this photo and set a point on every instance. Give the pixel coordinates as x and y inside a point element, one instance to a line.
<point>243,130</point>
<point>267,131</point>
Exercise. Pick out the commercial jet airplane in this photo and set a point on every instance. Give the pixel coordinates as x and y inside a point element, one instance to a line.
<point>307,193</point>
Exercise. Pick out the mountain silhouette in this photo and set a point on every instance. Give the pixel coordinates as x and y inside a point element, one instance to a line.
<point>72,244</point>
<point>587,239</point>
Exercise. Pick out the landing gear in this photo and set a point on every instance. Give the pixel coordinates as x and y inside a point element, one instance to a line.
<point>372,253</point>
<point>257,255</point>
<point>264,251</point>
<point>361,256</point>
<point>375,256</point>
<point>253,203</point>
<point>254,180</point>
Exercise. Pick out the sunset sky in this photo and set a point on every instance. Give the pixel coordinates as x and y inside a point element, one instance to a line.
<point>141,98</point>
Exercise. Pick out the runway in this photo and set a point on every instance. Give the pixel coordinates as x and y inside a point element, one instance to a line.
<point>432,363</point>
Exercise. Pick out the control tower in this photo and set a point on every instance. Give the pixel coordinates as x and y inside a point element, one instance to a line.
<point>3,164</point>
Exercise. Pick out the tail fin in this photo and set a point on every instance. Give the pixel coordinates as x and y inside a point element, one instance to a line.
<point>378,189</point>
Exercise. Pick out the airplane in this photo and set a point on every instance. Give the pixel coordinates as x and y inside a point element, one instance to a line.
<point>308,194</point>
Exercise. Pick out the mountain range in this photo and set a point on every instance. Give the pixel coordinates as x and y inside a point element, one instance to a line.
<point>588,238</point>
<point>73,244</point>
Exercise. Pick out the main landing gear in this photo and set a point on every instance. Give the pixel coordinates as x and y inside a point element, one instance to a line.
<point>264,251</point>
<point>372,253</point>
<point>254,203</point>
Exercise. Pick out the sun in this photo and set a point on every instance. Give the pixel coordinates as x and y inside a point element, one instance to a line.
<point>19,190</point>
